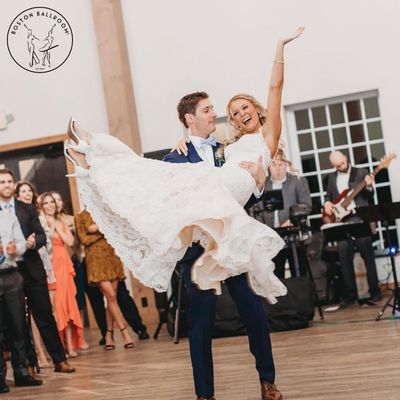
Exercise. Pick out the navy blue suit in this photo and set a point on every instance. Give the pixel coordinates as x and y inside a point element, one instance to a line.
<point>202,307</point>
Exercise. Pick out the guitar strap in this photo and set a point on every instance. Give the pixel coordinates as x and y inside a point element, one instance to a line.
<point>352,177</point>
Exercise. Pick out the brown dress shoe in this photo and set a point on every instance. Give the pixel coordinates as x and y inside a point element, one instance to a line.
<point>63,367</point>
<point>204,398</point>
<point>270,392</point>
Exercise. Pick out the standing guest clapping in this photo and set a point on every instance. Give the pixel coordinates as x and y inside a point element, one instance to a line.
<point>32,270</point>
<point>68,318</point>
<point>26,193</point>
<point>75,252</point>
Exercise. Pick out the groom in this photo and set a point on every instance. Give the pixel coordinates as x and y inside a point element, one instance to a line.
<point>196,113</point>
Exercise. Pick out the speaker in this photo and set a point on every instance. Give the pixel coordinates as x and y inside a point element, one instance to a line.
<point>296,309</point>
<point>293,311</point>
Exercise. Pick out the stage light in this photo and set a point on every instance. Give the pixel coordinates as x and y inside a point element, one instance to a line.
<point>392,250</point>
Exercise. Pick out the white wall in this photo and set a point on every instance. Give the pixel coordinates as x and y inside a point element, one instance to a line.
<point>42,103</point>
<point>227,46</point>
<point>223,47</point>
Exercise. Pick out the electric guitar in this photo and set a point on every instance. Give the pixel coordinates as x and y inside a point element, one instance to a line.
<point>344,199</point>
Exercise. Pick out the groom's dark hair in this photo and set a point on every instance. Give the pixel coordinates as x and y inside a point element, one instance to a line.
<point>4,171</point>
<point>188,104</point>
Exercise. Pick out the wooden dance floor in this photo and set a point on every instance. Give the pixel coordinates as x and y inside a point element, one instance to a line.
<point>347,357</point>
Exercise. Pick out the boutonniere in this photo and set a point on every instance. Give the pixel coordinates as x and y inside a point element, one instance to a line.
<point>219,157</point>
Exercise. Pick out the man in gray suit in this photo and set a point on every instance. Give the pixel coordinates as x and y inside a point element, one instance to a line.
<point>347,176</point>
<point>295,190</point>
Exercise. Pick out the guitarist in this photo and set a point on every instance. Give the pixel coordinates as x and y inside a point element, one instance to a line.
<point>347,176</point>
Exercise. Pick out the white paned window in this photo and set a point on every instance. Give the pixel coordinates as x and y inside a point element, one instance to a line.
<point>351,124</point>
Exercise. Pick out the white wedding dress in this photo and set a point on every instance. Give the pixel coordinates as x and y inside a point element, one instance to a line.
<point>151,211</point>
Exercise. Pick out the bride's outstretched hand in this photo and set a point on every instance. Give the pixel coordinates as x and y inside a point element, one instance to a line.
<point>293,36</point>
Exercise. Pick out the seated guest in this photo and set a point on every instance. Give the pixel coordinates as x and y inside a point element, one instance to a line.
<point>347,176</point>
<point>295,190</point>
<point>12,301</point>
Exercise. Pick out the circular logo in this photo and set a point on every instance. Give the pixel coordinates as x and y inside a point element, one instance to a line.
<point>39,39</point>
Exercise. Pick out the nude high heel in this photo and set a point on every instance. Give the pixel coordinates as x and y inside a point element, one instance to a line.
<point>71,131</point>
<point>67,155</point>
<point>79,170</point>
<point>75,144</point>
<point>75,141</point>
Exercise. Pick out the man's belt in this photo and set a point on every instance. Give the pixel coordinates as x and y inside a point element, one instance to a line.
<point>9,270</point>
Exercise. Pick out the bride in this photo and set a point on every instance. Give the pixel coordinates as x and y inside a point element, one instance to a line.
<point>152,211</point>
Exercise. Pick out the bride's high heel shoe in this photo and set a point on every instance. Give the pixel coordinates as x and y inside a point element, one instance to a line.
<point>79,170</point>
<point>75,142</point>
<point>78,146</point>
<point>71,131</point>
<point>67,155</point>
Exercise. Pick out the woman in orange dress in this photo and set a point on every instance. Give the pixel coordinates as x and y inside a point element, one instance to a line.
<point>76,254</point>
<point>69,322</point>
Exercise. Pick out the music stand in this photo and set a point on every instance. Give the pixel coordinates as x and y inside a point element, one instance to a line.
<point>385,213</point>
<point>337,232</point>
<point>292,236</point>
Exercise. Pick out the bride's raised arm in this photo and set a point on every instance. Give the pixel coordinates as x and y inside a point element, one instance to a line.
<point>272,127</point>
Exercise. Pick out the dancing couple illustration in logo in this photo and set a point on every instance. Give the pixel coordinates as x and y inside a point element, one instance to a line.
<point>46,49</point>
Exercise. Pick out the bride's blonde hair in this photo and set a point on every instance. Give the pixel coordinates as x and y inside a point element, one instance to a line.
<point>281,156</point>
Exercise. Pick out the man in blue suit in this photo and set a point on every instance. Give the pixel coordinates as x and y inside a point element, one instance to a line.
<point>196,113</point>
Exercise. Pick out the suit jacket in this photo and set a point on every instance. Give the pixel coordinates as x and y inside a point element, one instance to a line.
<point>357,175</point>
<point>192,156</point>
<point>32,265</point>
<point>195,251</point>
<point>295,190</point>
